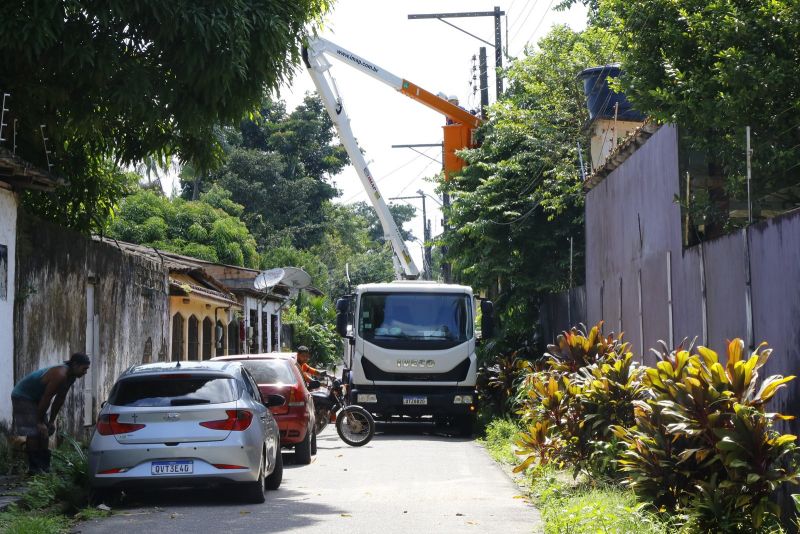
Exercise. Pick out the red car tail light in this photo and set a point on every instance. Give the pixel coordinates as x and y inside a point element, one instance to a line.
<point>296,397</point>
<point>228,466</point>
<point>237,420</point>
<point>108,425</point>
<point>113,471</point>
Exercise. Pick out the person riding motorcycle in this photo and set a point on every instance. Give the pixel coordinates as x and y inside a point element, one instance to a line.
<point>308,372</point>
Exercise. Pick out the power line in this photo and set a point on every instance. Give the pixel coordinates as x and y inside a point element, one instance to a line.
<point>519,29</point>
<point>385,176</point>
<point>417,177</point>
<point>541,21</point>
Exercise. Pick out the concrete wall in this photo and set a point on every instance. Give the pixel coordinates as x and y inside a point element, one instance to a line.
<point>8,238</point>
<point>632,238</point>
<point>76,294</point>
<point>641,280</point>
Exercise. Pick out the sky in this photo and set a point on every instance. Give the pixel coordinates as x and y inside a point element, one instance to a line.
<point>431,54</point>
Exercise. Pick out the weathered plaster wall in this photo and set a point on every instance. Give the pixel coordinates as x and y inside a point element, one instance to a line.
<point>8,238</point>
<point>63,276</point>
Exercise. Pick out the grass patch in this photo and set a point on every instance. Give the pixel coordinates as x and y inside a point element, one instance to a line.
<point>20,522</point>
<point>603,509</point>
<point>499,440</point>
<point>577,506</point>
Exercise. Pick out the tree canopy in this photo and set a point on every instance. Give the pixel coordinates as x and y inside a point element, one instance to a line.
<point>519,201</point>
<point>208,228</point>
<point>120,81</point>
<point>278,165</point>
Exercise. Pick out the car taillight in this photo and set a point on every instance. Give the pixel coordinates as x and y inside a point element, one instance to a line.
<point>114,471</point>
<point>237,420</point>
<point>229,466</point>
<point>108,425</point>
<point>296,397</point>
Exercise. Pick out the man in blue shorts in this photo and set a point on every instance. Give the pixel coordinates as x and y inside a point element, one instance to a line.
<point>32,397</point>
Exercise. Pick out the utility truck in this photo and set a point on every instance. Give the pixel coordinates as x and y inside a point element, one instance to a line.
<point>410,344</point>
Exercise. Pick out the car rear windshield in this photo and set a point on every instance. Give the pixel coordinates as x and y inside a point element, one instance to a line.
<point>174,390</point>
<point>271,371</point>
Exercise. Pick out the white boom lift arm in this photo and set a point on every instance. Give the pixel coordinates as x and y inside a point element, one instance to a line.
<point>317,64</point>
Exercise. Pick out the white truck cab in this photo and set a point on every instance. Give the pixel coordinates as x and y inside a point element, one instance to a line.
<point>411,349</point>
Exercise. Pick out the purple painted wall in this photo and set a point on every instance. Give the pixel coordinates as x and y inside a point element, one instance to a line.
<point>633,233</point>
<point>775,271</point>
<point>632,223</point>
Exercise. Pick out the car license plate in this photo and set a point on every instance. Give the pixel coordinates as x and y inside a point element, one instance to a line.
<point>416,400</point>
<point>180,467</point>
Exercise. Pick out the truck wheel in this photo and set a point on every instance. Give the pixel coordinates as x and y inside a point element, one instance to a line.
<point>302,451</point>
<point>464,425</point>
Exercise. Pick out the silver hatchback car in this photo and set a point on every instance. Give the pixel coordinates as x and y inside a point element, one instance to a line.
<point>186,424</point>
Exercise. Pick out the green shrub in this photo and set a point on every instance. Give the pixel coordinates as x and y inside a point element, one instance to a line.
<point>703,441</point>
<point>568,409</point>
<point>497,381</point>
<point>65,486</point>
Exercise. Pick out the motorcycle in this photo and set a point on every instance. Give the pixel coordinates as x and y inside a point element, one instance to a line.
<point>354,424</point>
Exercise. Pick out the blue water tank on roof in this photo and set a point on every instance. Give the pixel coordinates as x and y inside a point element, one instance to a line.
<point>600,99</point>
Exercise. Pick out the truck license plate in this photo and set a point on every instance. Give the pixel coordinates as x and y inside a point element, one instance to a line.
<point>180,467</point>
<point>416,400</point>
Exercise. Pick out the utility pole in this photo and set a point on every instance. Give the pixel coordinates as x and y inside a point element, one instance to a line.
<point>498,45</point>
<point>484,81</point>
<point>426,236</point>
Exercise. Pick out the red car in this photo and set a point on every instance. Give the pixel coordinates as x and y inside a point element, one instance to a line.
<point>277,373</point>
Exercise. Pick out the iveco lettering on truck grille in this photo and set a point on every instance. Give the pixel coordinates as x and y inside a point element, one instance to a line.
<point>410,348</point>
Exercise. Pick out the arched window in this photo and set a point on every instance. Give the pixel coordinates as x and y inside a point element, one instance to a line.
<point>219,339</point>
<point>177,337</point>
<point>194,338</point>
<point>208,338</point>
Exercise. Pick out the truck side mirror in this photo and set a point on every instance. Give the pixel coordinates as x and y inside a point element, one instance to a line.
<point>342,313</point>
<point>487,319</point>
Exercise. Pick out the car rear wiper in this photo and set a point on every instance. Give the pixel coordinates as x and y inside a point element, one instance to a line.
<point>188,401</point>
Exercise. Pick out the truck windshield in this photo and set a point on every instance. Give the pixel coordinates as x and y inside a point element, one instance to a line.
<point>415,320</point>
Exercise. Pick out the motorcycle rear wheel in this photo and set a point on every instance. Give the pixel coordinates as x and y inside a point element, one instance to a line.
<point>321,420</point>
<point>355,426</point>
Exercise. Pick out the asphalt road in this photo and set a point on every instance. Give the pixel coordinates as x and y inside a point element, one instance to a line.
<point>409,479</point>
